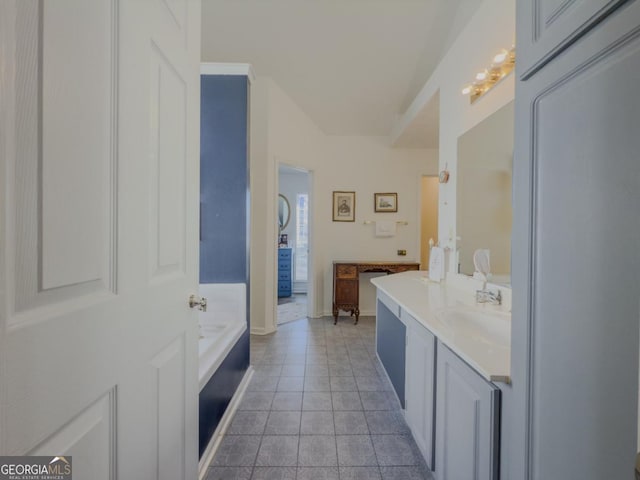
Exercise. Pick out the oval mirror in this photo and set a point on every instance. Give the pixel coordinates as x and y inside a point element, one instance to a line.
<point>284,211</point>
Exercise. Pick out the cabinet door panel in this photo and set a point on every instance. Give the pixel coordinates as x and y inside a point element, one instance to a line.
<point>346,292</point>
<point>467,421</point>
<point>391,347</point>
<point>577,153</point>
<point>421,358</point>
<point>546,27</point>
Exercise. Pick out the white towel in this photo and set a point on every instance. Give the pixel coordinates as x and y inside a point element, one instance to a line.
<point>385,228</point>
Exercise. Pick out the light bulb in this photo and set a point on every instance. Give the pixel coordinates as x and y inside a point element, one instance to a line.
<point>482,76</point>
<point>466,90</point>
<point>500,58</point>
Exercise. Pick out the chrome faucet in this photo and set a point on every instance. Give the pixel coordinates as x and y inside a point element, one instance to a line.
<point>487,296</point>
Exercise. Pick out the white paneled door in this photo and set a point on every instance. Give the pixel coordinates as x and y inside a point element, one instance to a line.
<point>99,142</point>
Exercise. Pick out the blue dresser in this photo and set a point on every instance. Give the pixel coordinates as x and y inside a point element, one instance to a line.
<point>284,272</point>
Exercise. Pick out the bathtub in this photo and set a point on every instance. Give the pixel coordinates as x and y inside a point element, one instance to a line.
<point>221,325</point>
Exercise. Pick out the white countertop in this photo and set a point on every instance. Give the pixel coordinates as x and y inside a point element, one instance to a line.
<point>484,342</point>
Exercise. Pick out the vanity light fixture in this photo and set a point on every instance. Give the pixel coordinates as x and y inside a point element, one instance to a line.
<point>482,76</point>
<point>502,65</point>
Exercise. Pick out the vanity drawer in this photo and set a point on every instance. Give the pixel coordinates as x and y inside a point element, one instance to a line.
<point>346,271</point>
<point>406,268</point>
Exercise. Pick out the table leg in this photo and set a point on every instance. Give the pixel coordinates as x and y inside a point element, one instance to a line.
<point>357,316</point>
<point>335,315</point>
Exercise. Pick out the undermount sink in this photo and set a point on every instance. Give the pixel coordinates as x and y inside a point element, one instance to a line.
<point>490,327</point>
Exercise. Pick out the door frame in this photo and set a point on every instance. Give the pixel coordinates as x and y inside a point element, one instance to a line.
<point>419,220</point>
<point>311,283</point>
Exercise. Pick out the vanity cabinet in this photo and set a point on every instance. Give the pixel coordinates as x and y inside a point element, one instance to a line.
<point>420,386</point>
<point>575,329</point>
<point>391,344</point>
<point>547,27</point>
<point>452,410</point>
<point>467,442</point>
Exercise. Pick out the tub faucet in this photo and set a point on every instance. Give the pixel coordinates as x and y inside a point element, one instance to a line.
<point>487,296</point>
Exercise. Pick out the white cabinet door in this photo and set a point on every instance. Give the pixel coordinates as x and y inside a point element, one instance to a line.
<point>98,234</point>
<point>546,27</point>
<point>467,421</point>
<point>576,272</point>
<point>420,386</point>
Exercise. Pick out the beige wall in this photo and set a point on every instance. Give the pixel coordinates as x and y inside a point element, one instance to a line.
<point>282,133</point>
<point>489,30</point>
<point>367,165</point>
<point>429,218</point>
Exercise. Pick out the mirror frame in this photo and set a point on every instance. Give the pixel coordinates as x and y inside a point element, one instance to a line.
<point>284,222</point>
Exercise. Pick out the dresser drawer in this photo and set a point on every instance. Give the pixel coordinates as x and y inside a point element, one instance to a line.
<point>284,253</point>
<point>284,276</point>
<point>284,265</point>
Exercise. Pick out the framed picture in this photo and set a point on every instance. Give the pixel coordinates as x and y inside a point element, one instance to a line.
<point>344,206</point>
<point>385,202</point>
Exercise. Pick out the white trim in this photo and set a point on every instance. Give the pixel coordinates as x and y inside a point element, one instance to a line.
<point>225,421</point>
<point>301,287</point>
<point>8,12</point>
<point>261,331</point>
<point>228,69</point>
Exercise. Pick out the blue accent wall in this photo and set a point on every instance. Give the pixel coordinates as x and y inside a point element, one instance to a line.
<point>224,179</point>
<point>224,223</point>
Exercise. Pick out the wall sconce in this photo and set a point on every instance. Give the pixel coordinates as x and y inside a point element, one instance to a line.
<point>502,65</point>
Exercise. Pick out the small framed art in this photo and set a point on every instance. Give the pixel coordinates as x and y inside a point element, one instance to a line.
<point>344,206</point>
<point>385,202</point>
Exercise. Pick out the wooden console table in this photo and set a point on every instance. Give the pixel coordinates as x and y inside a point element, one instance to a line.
<point>346,277</point>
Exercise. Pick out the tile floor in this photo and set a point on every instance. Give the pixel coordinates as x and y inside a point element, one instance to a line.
<point>320,408</point>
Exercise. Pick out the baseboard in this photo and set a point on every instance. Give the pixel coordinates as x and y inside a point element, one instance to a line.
<point>214,443</point>
<point>261,331</point>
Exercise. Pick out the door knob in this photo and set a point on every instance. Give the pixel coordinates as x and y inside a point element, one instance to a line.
<point>200,302</point>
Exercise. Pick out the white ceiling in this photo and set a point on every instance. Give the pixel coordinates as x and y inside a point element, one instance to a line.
<point>351,65</point>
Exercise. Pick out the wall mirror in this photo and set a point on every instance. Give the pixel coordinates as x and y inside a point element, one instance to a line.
<point>284,211</point>
<point>483,194</point>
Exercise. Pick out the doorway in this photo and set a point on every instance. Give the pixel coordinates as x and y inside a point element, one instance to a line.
<point>293,263</point>
<point>428,217</point>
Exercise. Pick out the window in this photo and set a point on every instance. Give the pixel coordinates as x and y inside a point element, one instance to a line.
<point>302,237</point>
